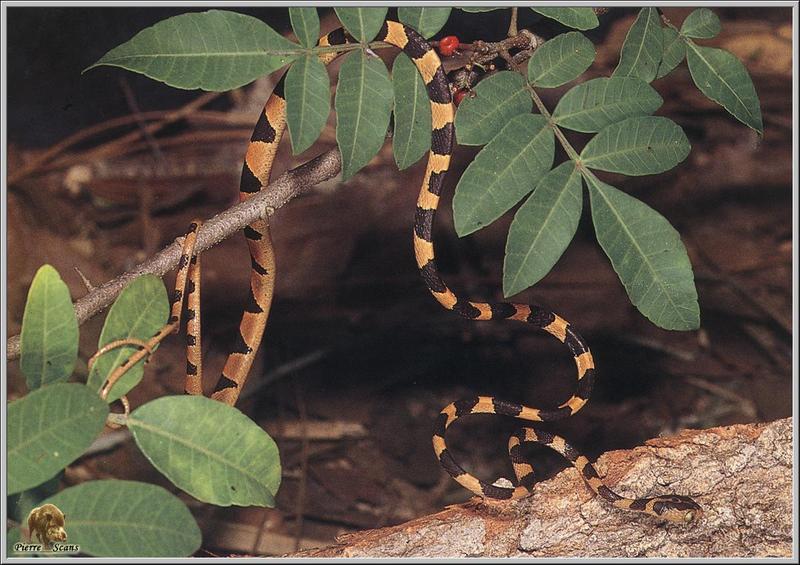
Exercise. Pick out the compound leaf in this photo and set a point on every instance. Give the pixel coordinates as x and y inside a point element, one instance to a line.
<point>647,255</point>
<point>724,79</point>
<point>597,103</point>
<point>497,99</point>
<point>503,172</point>
<point>578,18</point>
<point>308,101</point>
<point>701,24</point>
<point>674,52</point>
<point>363,108</point>
<point>427,21</point>
<point>305,23</point>
<point>542,228</point>
<point>412,113</point>
<point>644,145</point>
<point>215,50</point>
<point>560,60</point>
<point>641,51</point>
<point>362,23</point>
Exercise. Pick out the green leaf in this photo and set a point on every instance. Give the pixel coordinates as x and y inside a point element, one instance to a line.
<point>127,519</point>
<point>308,101</point>
<point>209,449</point>
<point>497,99</point>
<point>503,172</point>
<point>20,505</point>
<point>412,113</point>
<point>141,309</point>
<point>637,146</point>
<point>49,340</point>
<point>362,23</point>
<point>305,23</point>
<point>674,52</point>
<point>363,108</point>
<point>578,18</point>
<point>701,24</point>
<point>13,536</point>
<point>597,103</point>
<point>560,60</point>
<point>542,228</point>
<point>641,51</point>
<point>648,256</point>
<point>48,429</point>
<point>724,79</point>
<point>478,10</point>
<point>427,21</point>
<point>214,50</point>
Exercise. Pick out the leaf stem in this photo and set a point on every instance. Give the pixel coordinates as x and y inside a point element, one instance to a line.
<point>571,152</point>
<point>348,47</point>
<point>512,26</point>
<point>665,19</point>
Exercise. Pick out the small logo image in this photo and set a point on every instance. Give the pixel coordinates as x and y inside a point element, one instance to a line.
<point>46,524</point>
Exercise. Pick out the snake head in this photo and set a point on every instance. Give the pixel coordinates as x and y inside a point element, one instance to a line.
<point>676,508</point>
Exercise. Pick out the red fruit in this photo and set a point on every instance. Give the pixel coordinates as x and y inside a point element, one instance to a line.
<point>448,45</point>
<point>459,96</point>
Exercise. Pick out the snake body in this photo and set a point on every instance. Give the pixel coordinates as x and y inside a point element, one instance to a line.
<point>255,175</point>
<point>256,171</point>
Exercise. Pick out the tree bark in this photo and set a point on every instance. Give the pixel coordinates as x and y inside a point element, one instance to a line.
<point>741,475</point>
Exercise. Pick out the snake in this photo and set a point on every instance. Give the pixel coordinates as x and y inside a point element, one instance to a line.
<point>256,170</point>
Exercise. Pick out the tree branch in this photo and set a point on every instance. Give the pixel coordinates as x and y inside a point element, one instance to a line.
<point>292,183</point>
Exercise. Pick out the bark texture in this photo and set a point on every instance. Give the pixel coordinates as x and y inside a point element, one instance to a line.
<point>741,475</point>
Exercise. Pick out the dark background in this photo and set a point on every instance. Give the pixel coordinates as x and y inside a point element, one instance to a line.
<point>49,47</point>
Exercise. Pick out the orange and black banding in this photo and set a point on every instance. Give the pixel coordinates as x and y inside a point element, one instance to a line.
<point>187,277</point>
<point>256,171</point>
<point>187,285</point>
<point>442,140</point>
<point>670,507</point>
<point>184,266</point>
<point>194,350</point>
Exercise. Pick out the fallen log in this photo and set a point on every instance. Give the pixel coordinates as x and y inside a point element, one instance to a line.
<point>741,475</point>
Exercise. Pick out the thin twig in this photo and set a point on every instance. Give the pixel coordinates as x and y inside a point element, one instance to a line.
<point>317,430</point>
<point>745,404</point>
<point>291,184</point>
<point>42,163</point>
<point>39,163</point>
<point>133,105</point>
<point>146,192</point>
<point>86,282</point>
<point>282,370</point>
<point>146,196</point>
<point>512,26</point>
<point>300,504</point>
